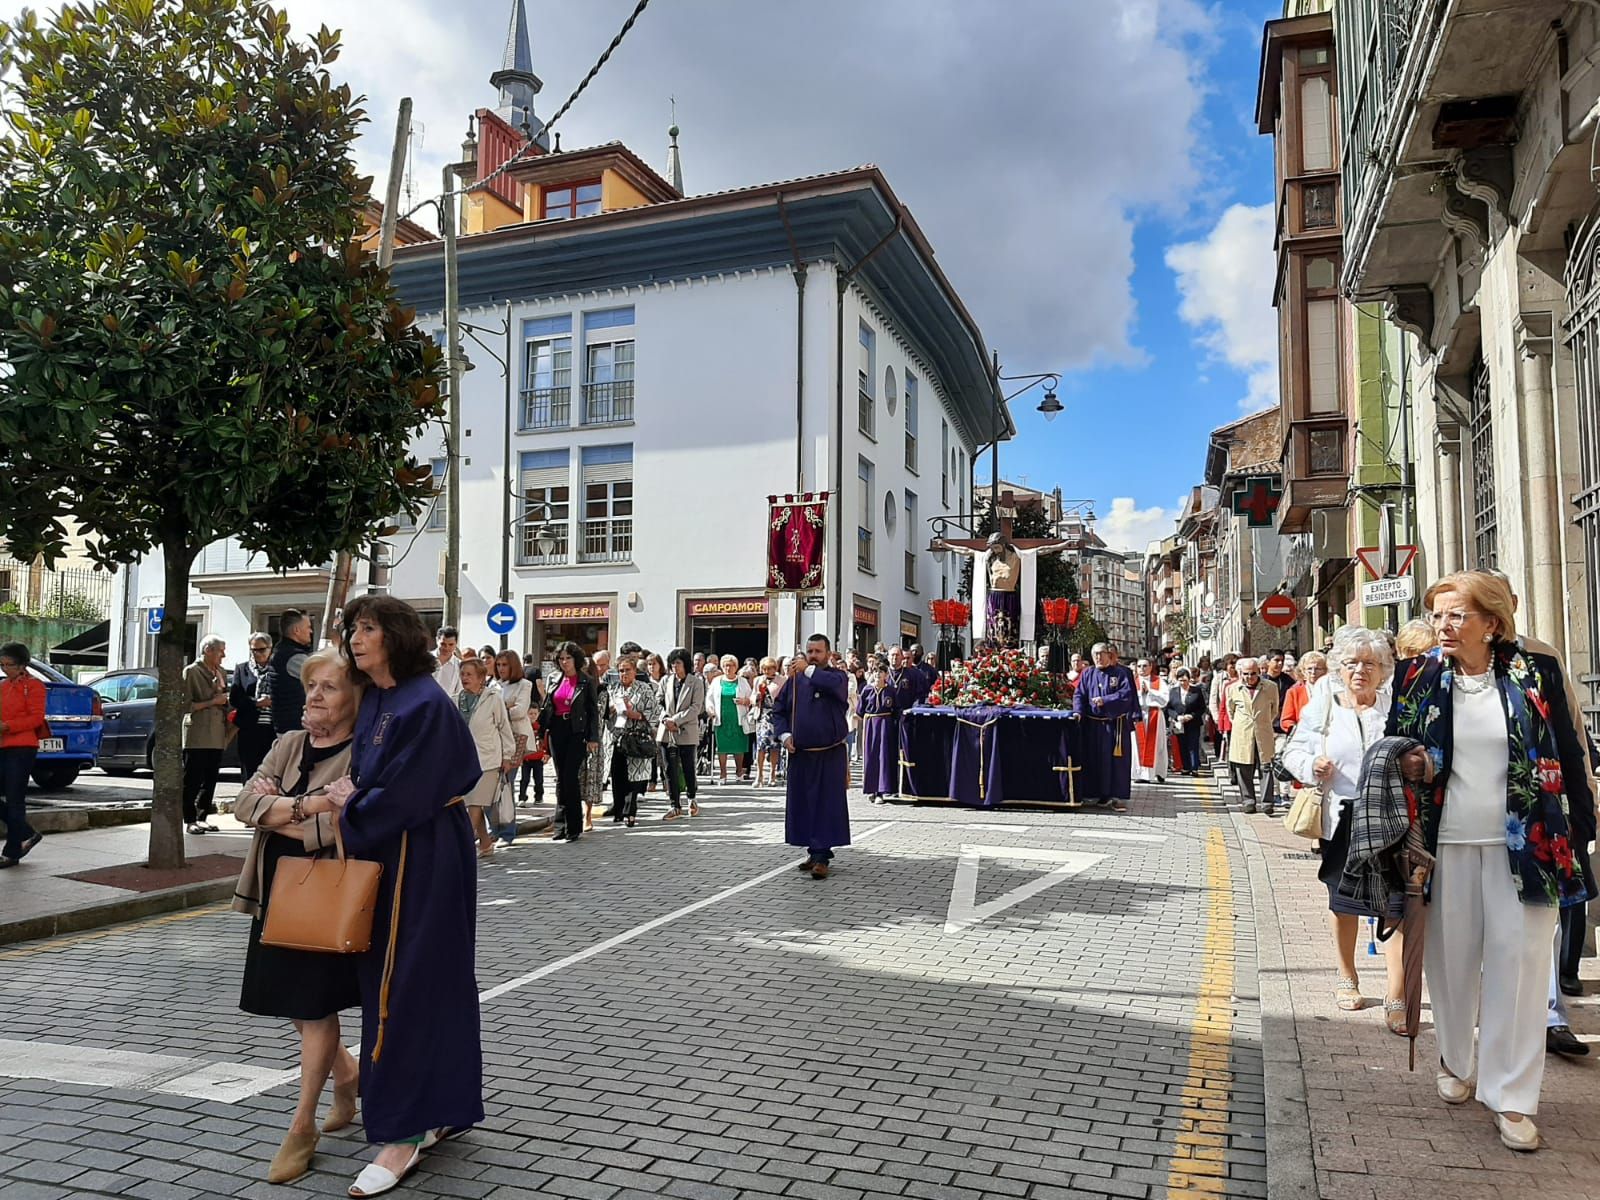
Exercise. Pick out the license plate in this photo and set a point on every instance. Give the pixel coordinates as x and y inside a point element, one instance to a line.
<point>51,745</point>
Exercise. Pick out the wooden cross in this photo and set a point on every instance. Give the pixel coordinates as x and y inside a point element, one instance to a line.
<point>1007,500</point>
<point>1072,793</point>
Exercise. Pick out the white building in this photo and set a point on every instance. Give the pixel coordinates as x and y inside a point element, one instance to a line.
<point>674,361</point>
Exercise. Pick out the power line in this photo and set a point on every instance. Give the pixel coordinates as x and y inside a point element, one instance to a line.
<point>600,62</point>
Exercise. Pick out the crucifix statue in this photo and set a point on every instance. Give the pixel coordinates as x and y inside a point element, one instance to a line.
<point>1005,573</point>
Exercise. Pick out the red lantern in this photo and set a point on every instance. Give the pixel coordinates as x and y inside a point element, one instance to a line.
<point>1072,615</point>
<point>1055,612</point>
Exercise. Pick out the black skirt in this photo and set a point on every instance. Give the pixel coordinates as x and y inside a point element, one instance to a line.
<point>299,985</point>
<point>1335,851</point>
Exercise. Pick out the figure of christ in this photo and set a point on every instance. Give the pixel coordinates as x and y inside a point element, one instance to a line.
<point>1004,586</point>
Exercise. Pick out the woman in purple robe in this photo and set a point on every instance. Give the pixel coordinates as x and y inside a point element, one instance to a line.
<point>877,704</point>
<point>411,762</point>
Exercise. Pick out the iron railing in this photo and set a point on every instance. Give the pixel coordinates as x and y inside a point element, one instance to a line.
<point>608,403</point>
<point>608,540</point>
<point>864,548</point>
<point>65,593</point>
<point>547,407</point>
<point>528,543</point>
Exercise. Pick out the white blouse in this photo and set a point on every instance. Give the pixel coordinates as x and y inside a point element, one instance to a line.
<point>1475,794</point>
<point>1349,737</point>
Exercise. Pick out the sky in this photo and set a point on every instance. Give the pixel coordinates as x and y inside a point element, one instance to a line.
<point>1088,172</point>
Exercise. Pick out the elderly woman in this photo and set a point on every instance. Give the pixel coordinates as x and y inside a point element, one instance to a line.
<point>411,761</point>
<point>516,689</point>
<point>768,751</point>
<point>683,703</point>
<point>1313,667</point>
<point>1344,717</point>
<point>1507,813</point>
<point>205,733</point>
<point>1415,638</point>
<point>728,700</point>
<point>1224,677</point>
<point>490,725</point>
<point>634,708</point>
<point>285,802</point>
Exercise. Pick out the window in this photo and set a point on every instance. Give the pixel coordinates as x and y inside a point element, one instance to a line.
<point>866,406</point>
<point>864,475</point>
<point>944,461</point>
<point>1317,204</point>
<point>1485,511</point>
<point>1325,451</point>
<point>607,504</point>
<point>436,516</point>
<point>911,422</point>
<point>1322,357</point>
<point>961,481</point>
<point>545,495</point>
<point>547,373</point>
<point>608,366</point>
<point>891,392</point>
<point>913,541</point>
<point>1316,124</point>
<point>1320,274</point>
<point>573,200</point>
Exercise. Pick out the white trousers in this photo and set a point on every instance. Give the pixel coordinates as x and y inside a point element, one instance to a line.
<point>1487,961</point>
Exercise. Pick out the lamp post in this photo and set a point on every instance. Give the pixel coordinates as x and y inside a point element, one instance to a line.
<point>1050,406</point>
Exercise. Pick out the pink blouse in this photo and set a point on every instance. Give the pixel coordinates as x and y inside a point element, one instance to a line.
<point>564,694</point>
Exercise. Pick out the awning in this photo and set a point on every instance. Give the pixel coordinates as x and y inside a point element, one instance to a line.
<point>91,648</point>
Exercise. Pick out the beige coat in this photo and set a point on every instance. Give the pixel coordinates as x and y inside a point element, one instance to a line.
<point>281,767</point>
<point>1251,739</point>
<point>207,729</point>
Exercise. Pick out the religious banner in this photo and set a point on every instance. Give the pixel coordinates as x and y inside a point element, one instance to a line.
<point>796,542</point>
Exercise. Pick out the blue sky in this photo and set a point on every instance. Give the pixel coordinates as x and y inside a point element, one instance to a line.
<point>1087,170</point>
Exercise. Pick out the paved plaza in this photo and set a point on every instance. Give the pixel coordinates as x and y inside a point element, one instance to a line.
<point>1022,1004</point>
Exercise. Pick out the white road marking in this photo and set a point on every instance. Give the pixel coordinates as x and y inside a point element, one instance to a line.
<point>997,828</point>
<point>637,931</point>
<point>494,903</point>
<point>91,1066</point>
<point>1117,835</point>
<point>964,910</point>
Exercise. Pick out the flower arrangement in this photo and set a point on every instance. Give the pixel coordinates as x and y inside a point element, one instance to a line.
<point>1006,678</point>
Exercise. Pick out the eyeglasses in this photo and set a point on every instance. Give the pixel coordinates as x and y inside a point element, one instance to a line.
<point>1450,620</point>
<point>1250,674</point>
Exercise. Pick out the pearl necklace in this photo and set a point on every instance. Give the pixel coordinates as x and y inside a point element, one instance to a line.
<point>1474,685</point>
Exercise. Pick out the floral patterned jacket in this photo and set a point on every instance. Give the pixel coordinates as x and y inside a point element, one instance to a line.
<point>1549,808</point>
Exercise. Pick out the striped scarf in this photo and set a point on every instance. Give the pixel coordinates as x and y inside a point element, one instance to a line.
<point>1380,815</point>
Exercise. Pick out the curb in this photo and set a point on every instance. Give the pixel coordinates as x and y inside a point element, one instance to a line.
<point>112,912</point>
<point>1291,1162</point>
<point>75,820</point>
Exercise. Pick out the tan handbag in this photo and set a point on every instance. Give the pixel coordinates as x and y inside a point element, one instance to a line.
<point>1304,818</point>
<point>323,904</point>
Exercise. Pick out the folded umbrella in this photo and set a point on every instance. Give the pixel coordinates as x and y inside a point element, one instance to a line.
<point>1418,866</point>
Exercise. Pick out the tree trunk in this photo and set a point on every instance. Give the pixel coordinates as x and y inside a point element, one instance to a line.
<point>166,814</point>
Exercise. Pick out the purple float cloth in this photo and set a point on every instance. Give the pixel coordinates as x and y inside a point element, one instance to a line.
<point>1003,618</point>
<point>984,756</point>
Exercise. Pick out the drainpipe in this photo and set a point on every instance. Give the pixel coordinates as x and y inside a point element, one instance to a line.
<point>843,279</point>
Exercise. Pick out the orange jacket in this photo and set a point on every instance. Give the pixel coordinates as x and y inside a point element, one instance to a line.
<point>22,709</point>
<point>1293,705</point>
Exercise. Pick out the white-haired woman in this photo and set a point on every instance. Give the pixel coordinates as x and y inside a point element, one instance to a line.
<point>285,802</point>
<point>728,700</point>
<point>205,733</point>
<point>1345,715</point>
<point>490,723</point>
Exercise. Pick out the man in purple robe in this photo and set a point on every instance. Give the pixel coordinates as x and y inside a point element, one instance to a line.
<point>811,720</point>
<point>1106,701</point>
<point>924,672</point>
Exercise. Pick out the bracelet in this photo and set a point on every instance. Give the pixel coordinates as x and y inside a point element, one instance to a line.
<point>297,810</point>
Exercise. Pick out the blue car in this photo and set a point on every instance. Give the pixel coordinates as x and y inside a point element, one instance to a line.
<point>74,713</point>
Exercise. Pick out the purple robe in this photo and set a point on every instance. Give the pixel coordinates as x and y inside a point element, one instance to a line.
<point>1107,762</point>
<point>880,731</point>
<point>815,710</point>
<point>412,755</point>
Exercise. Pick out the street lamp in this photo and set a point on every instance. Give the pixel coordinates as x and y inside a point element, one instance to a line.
<point>1049,406</point>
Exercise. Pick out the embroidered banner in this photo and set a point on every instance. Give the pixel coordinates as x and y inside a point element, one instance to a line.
<point>797,529</point>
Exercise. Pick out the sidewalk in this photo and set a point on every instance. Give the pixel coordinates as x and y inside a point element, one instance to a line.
<point>1346,1119</point>
<point>89,878</point>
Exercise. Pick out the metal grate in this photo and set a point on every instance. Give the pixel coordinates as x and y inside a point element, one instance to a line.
<point>1583,342</point>
<point>1485,511</point>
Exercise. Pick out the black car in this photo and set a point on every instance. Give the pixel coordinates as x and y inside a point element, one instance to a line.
<point>129,739</point>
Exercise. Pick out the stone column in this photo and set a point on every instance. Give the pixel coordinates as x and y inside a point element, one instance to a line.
<point>1448,447</point>
<point>1542,470</point>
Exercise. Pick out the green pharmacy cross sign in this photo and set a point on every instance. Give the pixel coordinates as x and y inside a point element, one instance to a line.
<point>1258,498</point>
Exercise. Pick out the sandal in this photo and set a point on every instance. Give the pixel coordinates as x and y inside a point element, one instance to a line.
<point>673,815</point>
<point>694,810</point>
<point>375,1180</point>
<point>1394,1016</point>
<point>1347,994</point>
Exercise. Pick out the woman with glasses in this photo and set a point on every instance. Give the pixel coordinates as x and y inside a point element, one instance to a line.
<point>1313,666</point>
<point>22,723</point>
<point>1506,810</point>
<point>1345,716</point>
<point>250,694</point>
<point>570,719</point>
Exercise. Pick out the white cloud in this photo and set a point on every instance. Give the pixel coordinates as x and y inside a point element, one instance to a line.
<point>1128,527</point>
<point>1226,281</point>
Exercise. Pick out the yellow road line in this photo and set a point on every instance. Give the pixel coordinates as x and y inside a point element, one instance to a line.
<point>1199,1164</point>
<point>67,941</point>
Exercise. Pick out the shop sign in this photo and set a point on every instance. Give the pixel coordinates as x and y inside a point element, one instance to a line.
<point>865,616</point>
<point>757,606</point>
<point>572,612</point>
<point>910,627</point>
<point>812,603</point>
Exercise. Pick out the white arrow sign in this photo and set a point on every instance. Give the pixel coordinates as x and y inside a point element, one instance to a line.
<point>965,911</point>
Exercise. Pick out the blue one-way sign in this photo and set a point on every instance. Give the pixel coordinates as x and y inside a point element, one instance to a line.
<point>502,619</point>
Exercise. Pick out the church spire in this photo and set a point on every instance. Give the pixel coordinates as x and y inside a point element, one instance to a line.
<point>517,83</point>
<point>674,161</point>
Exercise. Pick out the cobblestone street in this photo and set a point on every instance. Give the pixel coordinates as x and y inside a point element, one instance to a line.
<point>976,1004</point>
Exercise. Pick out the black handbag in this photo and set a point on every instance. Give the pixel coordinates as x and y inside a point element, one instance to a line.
<point>635,742</point>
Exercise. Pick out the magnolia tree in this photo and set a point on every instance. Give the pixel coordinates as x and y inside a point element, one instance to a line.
<point>194,347</point>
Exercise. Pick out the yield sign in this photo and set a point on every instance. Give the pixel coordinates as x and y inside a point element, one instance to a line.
<point>1372,559</point>
<point>965,911</point>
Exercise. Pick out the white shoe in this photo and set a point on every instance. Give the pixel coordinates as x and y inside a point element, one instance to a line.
<point>375,1180</point>
<point>1520,1135</point>
<point>1451,1089</point>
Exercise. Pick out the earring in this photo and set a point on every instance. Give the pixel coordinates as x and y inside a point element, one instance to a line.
<point>1488,637</point>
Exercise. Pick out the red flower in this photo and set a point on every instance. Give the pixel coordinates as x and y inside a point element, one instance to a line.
<point>1550,777</point>
<point>1543,850</point>
<point>1539,703</point>
<point>1563,854</point>
<point>1416,669</point>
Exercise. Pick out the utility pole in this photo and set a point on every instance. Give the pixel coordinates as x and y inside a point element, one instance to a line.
<point>510,486</point>
<point>343,562</point>
<point>452,327</point>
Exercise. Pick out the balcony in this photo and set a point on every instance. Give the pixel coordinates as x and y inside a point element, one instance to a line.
<point>608,540</point>
<point>546,408</point>
<point>1316,472</point>
<point>608,403</point>
<point>528,544</point>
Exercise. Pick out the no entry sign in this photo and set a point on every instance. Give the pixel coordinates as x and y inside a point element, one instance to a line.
<point>1279,611</point>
